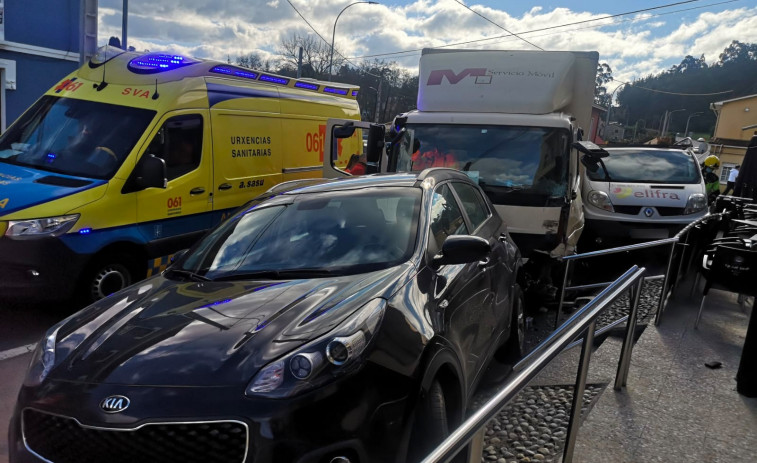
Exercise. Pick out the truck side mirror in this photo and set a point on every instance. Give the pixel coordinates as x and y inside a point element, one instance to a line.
<point>150,172</point>
<point>590,149</point>
<point>344,131</point>
<point>375,147</point>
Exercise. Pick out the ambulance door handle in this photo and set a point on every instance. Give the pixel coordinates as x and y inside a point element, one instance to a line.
<point>197,191</point>
<point>224,186</point>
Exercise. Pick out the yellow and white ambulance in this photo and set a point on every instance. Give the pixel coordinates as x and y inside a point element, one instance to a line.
<point>135,155</point>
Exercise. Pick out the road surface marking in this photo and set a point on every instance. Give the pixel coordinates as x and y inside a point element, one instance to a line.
<point>16,351</point>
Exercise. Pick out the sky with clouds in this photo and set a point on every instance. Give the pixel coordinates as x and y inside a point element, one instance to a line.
<point>634,43</point>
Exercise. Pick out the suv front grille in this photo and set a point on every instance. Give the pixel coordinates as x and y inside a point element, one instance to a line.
<point>64,440</point>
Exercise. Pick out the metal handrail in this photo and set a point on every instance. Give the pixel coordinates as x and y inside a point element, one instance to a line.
<point>582,321</point>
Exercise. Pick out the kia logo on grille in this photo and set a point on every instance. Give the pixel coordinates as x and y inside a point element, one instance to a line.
<point>648,212</point>
<point>115,404</point>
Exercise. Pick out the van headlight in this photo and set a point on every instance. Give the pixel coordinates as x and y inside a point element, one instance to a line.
<point>39,228</point>
<point>696,203</point>
<point>338,353</point>
<point>600,199</point>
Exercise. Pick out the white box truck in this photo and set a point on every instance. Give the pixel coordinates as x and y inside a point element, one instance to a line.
<point>511,120</point>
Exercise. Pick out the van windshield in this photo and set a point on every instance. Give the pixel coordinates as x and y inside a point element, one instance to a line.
<point>507,161</point>
<point>647,166</point>
<point>74,137</point>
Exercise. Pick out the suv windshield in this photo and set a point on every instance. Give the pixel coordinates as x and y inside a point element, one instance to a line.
<point>532,160</point>
<point>74,137</point>
<point>334,233</point>
<point>647,166</point>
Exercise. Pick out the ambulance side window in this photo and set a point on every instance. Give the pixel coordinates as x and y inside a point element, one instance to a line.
<point>179,143</point>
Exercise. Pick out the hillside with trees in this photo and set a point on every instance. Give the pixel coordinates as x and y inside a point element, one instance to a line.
<point>645,101</point>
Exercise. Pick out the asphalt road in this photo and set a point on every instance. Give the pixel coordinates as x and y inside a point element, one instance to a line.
<point>22,325</point>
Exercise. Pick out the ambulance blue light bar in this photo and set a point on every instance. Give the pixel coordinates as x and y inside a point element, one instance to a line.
<point>354,93</point>
<point>274,79</point>
<point>85,231</point>
<point>338,91</point>
<point>234,71</point>
<point>152,63</point>
<point>307,86</point>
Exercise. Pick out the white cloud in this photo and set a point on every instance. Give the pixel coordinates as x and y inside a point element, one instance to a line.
<point>634,46</point>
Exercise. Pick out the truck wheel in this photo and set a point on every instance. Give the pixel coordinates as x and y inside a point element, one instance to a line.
<point>108,274</point>
<point>515,347</point>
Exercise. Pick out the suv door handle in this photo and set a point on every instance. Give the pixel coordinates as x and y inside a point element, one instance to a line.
<point>485,262</point>
<point>197,191</point>
<point>224,186</point>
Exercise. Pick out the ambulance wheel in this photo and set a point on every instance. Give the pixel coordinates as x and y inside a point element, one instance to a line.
<point>108,274</point>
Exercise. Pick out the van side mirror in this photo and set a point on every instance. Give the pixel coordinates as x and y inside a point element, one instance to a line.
<point>375,146</point>
<point>591,163</point>
<point>461,249</point>
<point>150,172</point>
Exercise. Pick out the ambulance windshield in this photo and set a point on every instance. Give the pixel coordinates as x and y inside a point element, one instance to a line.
<point>508,162</point>
<point>74,137</point>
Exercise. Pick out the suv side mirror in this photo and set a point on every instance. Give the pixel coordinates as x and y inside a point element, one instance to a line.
<point>150,172</point>
<point>461,249</point>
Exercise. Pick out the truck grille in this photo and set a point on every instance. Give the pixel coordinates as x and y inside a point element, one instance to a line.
<point>64,440</point>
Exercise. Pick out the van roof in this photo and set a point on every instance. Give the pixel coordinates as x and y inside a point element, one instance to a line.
<point>161,67</point>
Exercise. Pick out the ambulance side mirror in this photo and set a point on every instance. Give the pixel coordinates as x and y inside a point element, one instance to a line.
<point>150,172</point>
<point>375,146</point>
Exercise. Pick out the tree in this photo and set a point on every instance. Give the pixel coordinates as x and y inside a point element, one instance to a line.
<point>255,61</point>
<point>315,55</point>
<point>737,51</point>
<point>604,75</point>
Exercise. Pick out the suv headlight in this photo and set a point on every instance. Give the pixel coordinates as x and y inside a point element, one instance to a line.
<point>336,354</point>
<point>696,203</point>
<point>600,199</point>
<point>38,228</point>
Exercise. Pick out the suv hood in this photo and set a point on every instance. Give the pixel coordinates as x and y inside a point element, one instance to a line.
<point>164,332</point>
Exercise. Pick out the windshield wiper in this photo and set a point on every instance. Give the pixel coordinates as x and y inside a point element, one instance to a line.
<point>276,274</point>
<point>186,273</point>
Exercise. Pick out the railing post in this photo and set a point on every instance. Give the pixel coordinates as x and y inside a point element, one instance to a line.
<point>661,305</point>
<point>624,362</point>
<point>683,255</point>
<point>578,393</point>
<point>562,291</point>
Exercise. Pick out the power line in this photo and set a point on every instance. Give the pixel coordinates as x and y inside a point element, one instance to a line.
<point>511,33</point>
<point>670,93</point>
<point>415,50</point>
<point>326,41</point>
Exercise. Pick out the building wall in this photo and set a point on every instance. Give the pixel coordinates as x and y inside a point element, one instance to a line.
<point>43,23</point>
<point>42,39</point>
<point>34,76</point>
<point>735,115</point>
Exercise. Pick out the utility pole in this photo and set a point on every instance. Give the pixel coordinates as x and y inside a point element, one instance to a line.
<point>299,65</point>
<point>124,24</point>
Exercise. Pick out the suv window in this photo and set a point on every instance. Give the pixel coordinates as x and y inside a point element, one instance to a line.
<point>446,218</point>
<point>179,143</point>
<point>473,204</point>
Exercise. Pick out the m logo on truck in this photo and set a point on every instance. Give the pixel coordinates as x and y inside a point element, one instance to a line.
<point>436,76</point>
<point>115,404</point>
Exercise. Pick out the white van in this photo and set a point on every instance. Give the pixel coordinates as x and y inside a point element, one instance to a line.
<point>641,193</point>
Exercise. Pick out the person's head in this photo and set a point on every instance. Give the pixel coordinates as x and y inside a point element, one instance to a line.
<point>711,163</point>
<point>738,166</point>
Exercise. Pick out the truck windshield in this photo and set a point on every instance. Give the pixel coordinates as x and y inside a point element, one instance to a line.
<point>529,160</point>
<point>647,166</point>
<point>74,137</point>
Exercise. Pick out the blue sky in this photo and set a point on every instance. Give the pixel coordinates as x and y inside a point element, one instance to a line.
<point>634,45</point>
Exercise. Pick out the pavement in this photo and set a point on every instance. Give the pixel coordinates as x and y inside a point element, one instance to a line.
<point>674,408</point>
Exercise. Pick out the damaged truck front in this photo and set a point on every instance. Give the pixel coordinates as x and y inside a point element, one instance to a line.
<point>511,120</point>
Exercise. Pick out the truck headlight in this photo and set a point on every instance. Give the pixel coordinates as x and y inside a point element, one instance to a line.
<point>696,203</point>
<point>38,228</point>
<point>316,363</point>
<point>600,199</point>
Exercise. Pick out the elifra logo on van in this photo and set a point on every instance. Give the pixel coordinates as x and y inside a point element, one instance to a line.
<point>624,192</point>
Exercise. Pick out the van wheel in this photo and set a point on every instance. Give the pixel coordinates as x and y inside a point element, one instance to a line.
<point>430,425</point>
<point>108,274</point>
<point>515,347</point>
